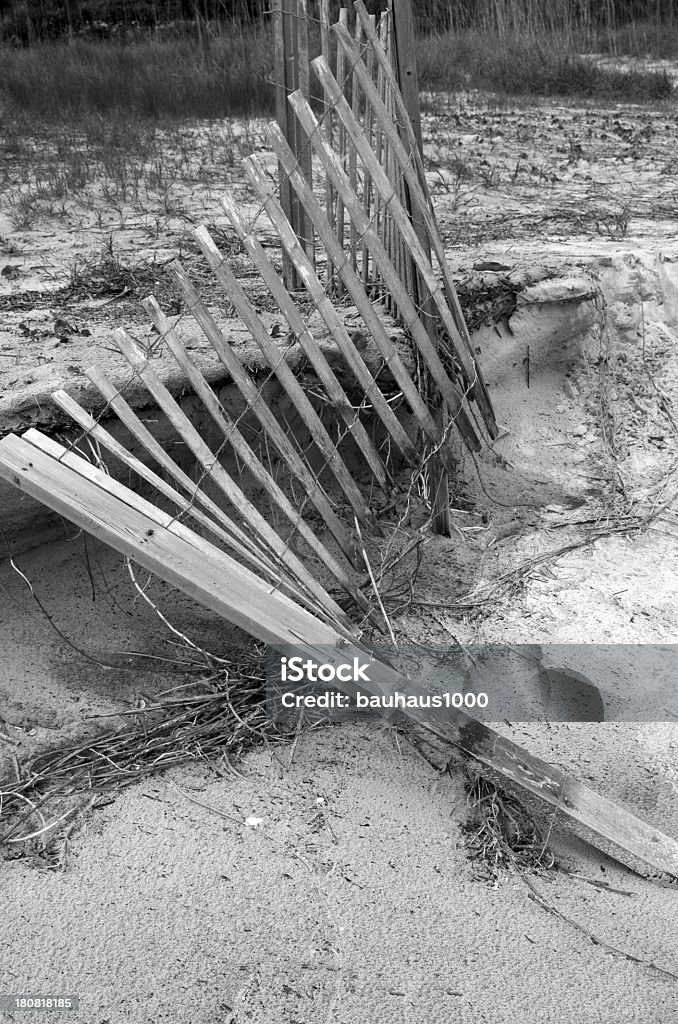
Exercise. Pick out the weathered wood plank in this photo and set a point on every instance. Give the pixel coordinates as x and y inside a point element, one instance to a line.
<point>367,181</point>
<point>278,18</point>
<point>352,156</point>
<point>406,69</point>
<point>169,522</point>
<point>380,149</point>
<point>140,431</point>
<point>303,149</point>
<point>406,62</point>
<point>240,596</point>
<point>220,526</point>
<point>341,144</point>
<point>330,196</point>
<point>594,818</point>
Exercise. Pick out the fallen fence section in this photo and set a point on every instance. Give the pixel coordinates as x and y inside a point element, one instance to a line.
<point>113,513</point>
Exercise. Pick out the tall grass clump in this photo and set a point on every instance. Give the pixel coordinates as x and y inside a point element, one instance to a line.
<point>514,64</point>
<point>635,27</point>
<point>185,77</point>
<point>207,67</point>
<point>640,38</point>
<point>540,46</point>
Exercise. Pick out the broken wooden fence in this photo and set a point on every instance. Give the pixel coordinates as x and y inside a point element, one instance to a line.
<point>232,558</point>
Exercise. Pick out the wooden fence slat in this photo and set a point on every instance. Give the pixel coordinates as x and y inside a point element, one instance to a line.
<point>315,289</point>
<point>352,156</point>
<point>229,488</point>
<point>240,596</point>
<point>228,532</point>
<point>394,247</point>
<point>259,407</point>
<point>448,389</point>
<point>380,148</point>
<point>137,429</point>
<point>405,60</point>
<point>163,519</point>
<point>276,360</point>
<point>406,65</point>
<point>367,181</point>
<point>363,304</point>
<point>292,133</point>
<point>592,817</point>
<point>304,151</point>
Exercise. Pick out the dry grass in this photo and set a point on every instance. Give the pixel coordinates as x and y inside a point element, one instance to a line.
<point>500,832</point>
<point>227,70</point>
<point>219,717</point>
<point>514,64</point>
<point>173,78</point>
<point>96,173</point>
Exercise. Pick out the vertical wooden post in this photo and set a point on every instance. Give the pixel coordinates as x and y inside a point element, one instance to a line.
<point>352,156</point>
<point>278,18</point>
<point>406,69</point>
<point>391,168</point>
<point>341,216</point>
<point>385,156</point>
<point>406,66</point>
<point>380,149</point>
<point>304,151</point>
<point>367,181</point>
<point>290,33</point>
<point>330,197</point>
